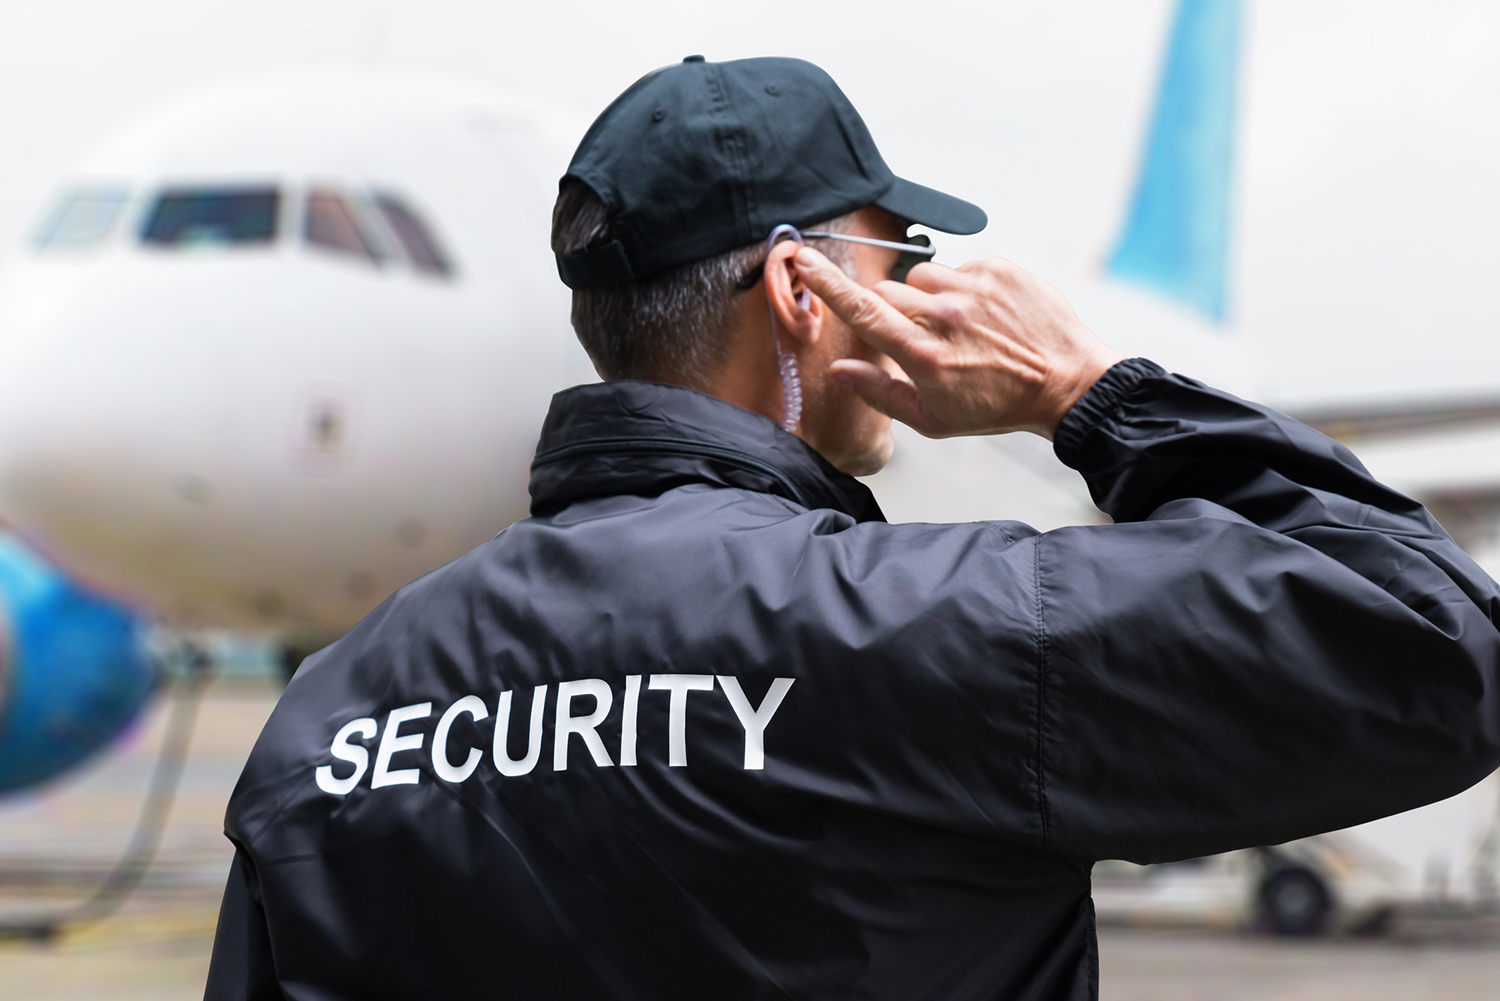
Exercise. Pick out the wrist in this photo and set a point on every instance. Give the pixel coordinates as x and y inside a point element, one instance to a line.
<point>1076,385</point>
<point>1099,405</point>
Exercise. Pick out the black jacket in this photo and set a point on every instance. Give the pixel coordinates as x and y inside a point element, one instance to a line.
<point>809,754</point>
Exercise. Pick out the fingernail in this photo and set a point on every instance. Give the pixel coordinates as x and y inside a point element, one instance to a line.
<point>806,258</point>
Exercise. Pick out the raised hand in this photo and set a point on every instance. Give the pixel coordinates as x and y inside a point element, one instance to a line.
<point>988,347</point>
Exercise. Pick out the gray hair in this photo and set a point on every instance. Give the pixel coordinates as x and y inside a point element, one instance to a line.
<point>672,325</point>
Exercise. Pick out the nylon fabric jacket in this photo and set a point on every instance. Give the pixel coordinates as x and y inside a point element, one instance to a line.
<point>706,726</point>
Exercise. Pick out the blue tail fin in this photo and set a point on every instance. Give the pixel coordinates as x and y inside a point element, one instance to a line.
<point>1176,239</point>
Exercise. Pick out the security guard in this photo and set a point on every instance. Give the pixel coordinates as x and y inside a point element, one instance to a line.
<point>706,726</point>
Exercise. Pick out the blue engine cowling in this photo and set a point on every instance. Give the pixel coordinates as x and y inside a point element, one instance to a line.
<point>74,670</point>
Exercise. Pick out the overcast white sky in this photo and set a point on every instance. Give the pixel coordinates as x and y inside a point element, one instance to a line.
<point>1369,230</point>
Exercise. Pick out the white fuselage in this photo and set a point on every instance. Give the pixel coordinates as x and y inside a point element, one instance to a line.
<point>273,435</point>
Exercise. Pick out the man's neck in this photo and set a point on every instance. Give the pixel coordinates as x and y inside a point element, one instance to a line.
<point>747,374</point>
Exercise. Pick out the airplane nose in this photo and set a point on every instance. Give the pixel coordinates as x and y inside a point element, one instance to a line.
<point>258,443</point>
<point>74,671</point>
<point>100,403</point>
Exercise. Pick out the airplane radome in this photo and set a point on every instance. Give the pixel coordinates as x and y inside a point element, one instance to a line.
<point>276,351</point>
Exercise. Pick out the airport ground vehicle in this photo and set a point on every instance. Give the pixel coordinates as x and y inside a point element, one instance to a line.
<point>1442,860</point>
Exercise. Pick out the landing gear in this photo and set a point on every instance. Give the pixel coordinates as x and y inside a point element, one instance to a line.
<point>185,685</point>
<point>1295,902</point>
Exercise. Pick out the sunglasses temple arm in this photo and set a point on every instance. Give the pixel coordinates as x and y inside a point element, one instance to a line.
<point>905,248</point>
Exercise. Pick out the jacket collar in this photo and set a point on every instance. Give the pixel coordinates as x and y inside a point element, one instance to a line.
<point>629,437</point>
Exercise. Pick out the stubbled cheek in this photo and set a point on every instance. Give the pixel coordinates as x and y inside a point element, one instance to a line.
<point>874,453</point>
<point>866,442</point>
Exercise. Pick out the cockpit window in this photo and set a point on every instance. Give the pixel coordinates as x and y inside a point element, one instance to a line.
<point>331,223</point>
<point>415,238</point>
<point>80,219</point>
<point>212,216</point>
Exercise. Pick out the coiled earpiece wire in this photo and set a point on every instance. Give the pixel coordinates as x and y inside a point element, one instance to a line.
<point>786,362</point>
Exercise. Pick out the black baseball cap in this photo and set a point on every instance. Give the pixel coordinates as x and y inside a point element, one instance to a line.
<point>700,158</point>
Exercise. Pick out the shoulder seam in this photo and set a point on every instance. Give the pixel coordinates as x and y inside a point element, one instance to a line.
<point>1041,694</point>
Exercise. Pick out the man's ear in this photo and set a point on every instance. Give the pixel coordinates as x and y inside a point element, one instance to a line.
<point>787,293</point>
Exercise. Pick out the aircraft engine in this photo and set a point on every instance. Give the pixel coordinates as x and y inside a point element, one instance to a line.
<point>74,670</point>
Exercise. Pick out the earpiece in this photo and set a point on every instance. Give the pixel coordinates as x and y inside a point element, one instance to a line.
<point>786,230</point>
<point>804,298</point>
<point>791,380</point>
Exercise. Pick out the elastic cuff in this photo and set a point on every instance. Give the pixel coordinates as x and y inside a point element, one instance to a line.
<point>1099,404</point>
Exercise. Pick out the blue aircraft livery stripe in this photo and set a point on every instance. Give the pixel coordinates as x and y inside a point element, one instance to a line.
<point>78,672</point>
<point>1176,238</point>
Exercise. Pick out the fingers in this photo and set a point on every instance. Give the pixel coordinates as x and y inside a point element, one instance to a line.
<point>878,388</point>
<point>873,319</point>
<point>932,277</point>
<point>912,302</point>
<point>945,317</point>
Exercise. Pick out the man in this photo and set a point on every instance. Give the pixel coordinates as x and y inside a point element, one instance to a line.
<point>705,726</point>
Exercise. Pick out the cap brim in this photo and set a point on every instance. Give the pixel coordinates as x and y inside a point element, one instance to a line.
<point>930,207</point>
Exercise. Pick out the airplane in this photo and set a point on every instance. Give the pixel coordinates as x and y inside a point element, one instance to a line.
<point>273,351</point>
<point>278,349</point>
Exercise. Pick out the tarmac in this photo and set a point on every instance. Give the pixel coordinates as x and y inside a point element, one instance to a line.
<point>57,845</point>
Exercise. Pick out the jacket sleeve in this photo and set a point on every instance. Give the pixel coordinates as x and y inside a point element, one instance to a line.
<point>1267,644</point>
<point>241,968</point>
